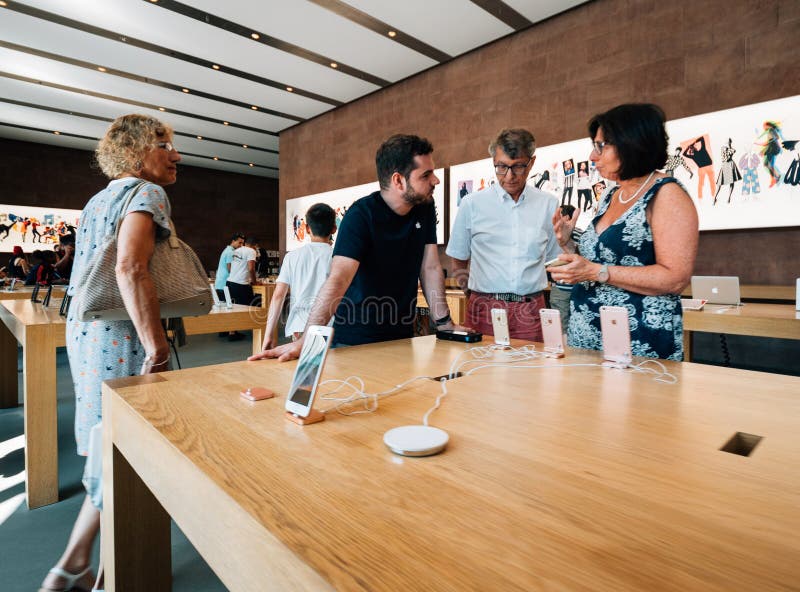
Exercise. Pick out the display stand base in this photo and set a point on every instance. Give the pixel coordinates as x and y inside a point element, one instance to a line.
<point>313,417</point>
<point>553,353</point>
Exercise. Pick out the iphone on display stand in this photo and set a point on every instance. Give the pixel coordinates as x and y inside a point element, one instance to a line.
<point>228,301</point>
<point>552,332</point>
<point>214,296</point>
<point>616,336</point>
<point>500,327</point>
<point>300,401</point>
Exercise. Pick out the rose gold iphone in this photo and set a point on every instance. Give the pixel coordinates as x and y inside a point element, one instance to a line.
<point>500,327</point>
<point>616,336</point>
<point>552,332</point>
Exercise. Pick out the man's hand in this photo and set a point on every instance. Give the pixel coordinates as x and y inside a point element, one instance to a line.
<point>270,342</point>
<point>284,353</point>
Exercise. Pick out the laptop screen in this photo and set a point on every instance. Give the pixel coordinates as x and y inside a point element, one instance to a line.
<point>716,289</point>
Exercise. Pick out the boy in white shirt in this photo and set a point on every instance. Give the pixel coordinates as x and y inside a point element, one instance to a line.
<point>304,271</point>
<point>243,272</point>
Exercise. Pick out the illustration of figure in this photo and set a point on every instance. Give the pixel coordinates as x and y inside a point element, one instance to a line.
<point>23,227</point>
<point>749,166</point>
<point>569,181</point>
<point>674,161</point>
<point>483,185</point>
<point>37,237</point>
<point>584,185</point>
<point>597,189</point>
<point>771,149</point>
<point>6,228</point>
<point>728,172</point>
<point>462,193</point>
<point>543,178</point>
<point>792,176</point>
<point>698,152</point>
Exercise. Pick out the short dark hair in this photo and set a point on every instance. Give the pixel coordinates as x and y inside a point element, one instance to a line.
<point>321,219</point>
<point>637,132</point>
<point>515,142</point>
<point>236,236</point>
<point>250,240</point>
<point>396,155</point>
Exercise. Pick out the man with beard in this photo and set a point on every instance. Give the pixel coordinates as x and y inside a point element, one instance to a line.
<point>386,242</point>
<point>504,233</point>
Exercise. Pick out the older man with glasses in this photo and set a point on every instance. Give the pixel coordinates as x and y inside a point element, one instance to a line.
<point>501,239</point>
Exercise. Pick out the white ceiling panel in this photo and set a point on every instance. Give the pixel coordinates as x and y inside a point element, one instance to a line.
<point>436,23</point>
<point>538,10</point>
<point>54,38</point>
<point>323,32</point>
<point>152,50</point>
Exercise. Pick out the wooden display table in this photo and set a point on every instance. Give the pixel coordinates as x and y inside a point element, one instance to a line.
<point>24,293</point>
<point>40,331</point>
<point>266,291</point>
<point>759,292</point>
<point>456,300</point>
<point>758,320</point>
<point>556,478</point>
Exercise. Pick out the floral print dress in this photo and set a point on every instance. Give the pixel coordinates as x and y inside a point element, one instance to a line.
<point>656,322</point>
<point>102,350</point>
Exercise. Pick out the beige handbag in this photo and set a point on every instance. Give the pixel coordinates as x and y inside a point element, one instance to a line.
<point>178,276</point>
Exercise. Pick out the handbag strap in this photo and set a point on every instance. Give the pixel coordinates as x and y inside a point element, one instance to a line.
<point>173,235</point>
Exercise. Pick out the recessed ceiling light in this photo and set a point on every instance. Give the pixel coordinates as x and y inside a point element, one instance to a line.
<point>186,90</point>
<point>101,68</point>
<point>244,145</point>
<point>255,36</point>
<point>161,109</point>
<point>334,65</point>
<point>251,164</point>
<point>153,1</point>
<point>225,123</point>
<point>199,137</point>
<point>216,158</point>
<point>3,3</point>
<point>392,33</point>
<point>215,66</point>
<point>289,88</point>
<point>254,108</point>
<point>57,133</point>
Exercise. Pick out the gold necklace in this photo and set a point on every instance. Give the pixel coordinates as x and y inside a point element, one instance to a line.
<point>635,195</point>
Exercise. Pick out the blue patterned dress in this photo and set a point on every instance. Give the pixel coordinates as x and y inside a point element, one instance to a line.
<point>656,322</point>
<point>102,350</point>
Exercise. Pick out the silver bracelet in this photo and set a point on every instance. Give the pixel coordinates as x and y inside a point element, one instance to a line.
<point>149,358</point>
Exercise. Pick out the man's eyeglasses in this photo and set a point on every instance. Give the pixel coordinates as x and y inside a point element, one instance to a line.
<point>516,169</point>
<point>598,146</point>
<point>166,146</point>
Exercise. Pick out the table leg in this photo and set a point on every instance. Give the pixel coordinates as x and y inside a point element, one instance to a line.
<point>687,345</point>
<point>258,339</point>
<point>41,419</point>
<point>135,528</point>
<point>9,393</point>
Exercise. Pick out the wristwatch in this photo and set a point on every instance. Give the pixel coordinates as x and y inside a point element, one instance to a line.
<point>602,275</point>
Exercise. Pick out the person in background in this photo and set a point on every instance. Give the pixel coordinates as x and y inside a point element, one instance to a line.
<point>34,264</point>
<point>242,276</point>
<point>505,235</point>
<point>224,266</point>
<point>18,265</point>
<point>66,256</point>
<point>137,154</point>
<point>560,293</point>
<point>384,247</point>
<point>639,250</point>
<point>304,270</point>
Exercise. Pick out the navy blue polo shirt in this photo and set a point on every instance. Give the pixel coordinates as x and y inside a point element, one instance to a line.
<point>380,303</point>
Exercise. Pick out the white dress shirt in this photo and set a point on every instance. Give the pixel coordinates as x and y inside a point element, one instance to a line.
<point>506,242</point>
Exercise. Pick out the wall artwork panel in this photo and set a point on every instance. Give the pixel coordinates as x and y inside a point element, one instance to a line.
<point>740,166</point>
<point>34,228</point>
<point>340,200</point>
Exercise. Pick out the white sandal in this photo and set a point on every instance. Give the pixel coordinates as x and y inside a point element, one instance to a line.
<point>71,579</point>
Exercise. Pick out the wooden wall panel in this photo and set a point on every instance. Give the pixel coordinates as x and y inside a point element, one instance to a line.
<point>689,57</point>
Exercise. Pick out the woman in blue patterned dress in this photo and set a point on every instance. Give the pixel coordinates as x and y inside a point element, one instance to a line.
<point>137,154</point>
<point>639,250</point>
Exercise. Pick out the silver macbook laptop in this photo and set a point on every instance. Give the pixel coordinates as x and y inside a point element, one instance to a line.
<point>716,289</point>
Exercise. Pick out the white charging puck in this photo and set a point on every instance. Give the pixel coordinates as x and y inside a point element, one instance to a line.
<point>416,440</point>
